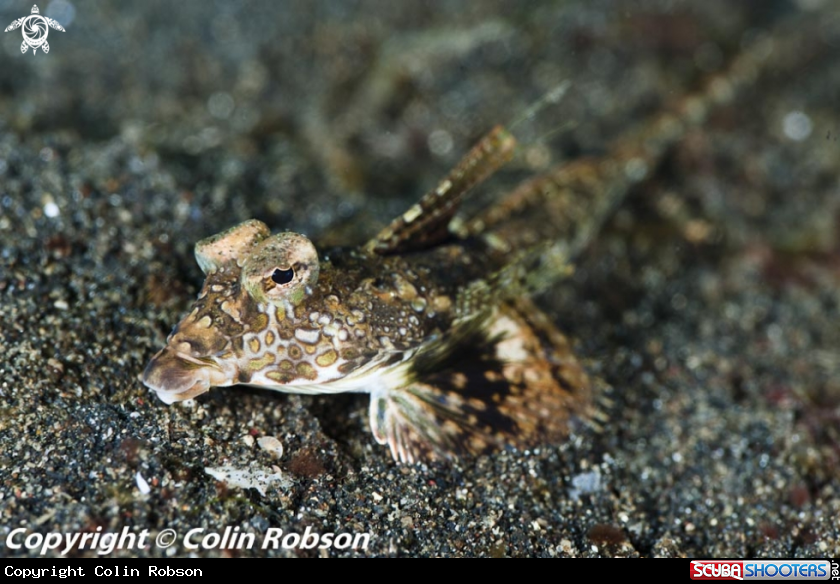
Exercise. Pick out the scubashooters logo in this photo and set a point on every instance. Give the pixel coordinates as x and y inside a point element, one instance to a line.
<point>35,29</point>
<point>761,570</point>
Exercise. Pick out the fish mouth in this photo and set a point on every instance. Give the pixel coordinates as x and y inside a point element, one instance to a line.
<point>176,376</point>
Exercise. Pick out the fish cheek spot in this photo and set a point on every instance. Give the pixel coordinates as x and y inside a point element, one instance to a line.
<point>327,359</point>
<point>261,363</point>
<point>254,345</point>
<point>295,352</point>
<point>259,322</point>
<point>280,376</point>
<point>286,365</point>
<point>349,354</point>
<point>269,338</point>
<point>306,371</point>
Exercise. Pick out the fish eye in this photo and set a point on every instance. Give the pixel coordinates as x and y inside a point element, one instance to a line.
<point>282,276</point>
<point>282,269</point>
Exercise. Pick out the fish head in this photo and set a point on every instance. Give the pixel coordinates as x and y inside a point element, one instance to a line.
<point>260,319</point>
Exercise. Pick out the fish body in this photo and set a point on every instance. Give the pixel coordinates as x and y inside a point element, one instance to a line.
<point>432,316</point>
<point>436,327</point>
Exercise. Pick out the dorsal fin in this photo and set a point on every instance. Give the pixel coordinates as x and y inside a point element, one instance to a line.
<point>426,222</point>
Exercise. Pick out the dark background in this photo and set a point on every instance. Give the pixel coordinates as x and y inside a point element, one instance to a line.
<point>709,303</point>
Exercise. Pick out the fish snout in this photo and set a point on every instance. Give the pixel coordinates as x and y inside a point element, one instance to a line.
<point>175,376</point>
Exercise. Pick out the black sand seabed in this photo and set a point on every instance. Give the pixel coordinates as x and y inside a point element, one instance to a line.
<point>709,302</point>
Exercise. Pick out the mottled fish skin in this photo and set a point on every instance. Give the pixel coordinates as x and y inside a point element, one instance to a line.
<point>447,373</point>
<point>307,335</point>
<point>431,316</point>
<point>397,317</point>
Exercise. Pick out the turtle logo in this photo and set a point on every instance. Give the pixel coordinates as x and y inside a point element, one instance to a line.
<point>35,30</point>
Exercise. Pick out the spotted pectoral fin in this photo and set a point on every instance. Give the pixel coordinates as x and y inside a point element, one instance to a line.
<point>426,223</point>
<point>512,382</point>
